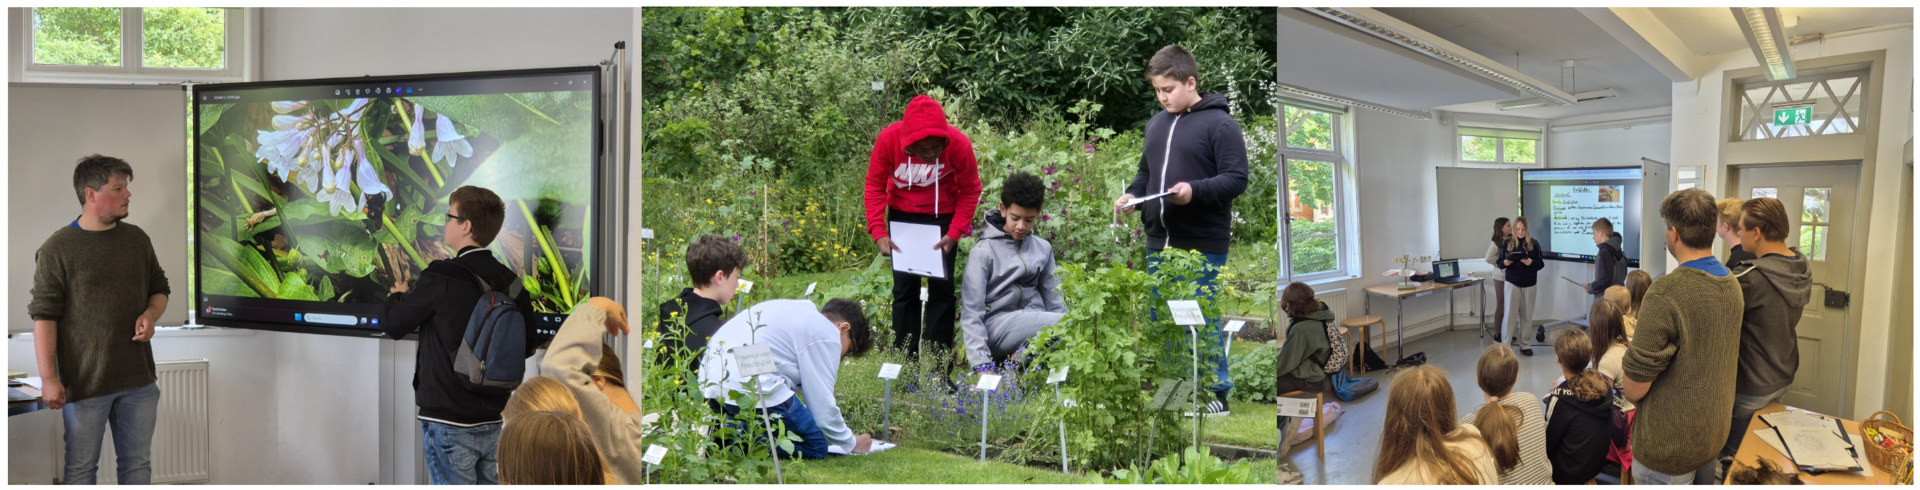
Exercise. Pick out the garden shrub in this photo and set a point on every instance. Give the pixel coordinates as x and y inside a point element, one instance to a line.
<point>1254,373</point>
<point>1191,467</point>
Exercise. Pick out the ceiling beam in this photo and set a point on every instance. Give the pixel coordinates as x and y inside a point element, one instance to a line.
<point>1425,43</point>
<point>1645,35</point>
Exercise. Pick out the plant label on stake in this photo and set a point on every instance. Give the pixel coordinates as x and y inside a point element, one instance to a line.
<point>810,289</point>
<point>1231,328</point>
<point>988,383</point>
<point>1058,376</point>
<point>1234,326</point>
<point>754,359</point>
<point>1296,407</point>
<point>888,371</point>
<point>1185,312</point>
<point>655,454</point>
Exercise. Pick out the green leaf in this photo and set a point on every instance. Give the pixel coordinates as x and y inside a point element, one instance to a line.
<point>326,289</point>
<point>312,211</point>
<point>342,253</point>
<point>210,114</point>
<point>214,280</point>
<point>549,162</point>
<point>266,224</point>
<point>508,116</point>
<point>247,264</point>
<point>295,288</point>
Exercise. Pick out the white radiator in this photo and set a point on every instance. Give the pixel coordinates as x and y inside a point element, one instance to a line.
<point>181,453</point>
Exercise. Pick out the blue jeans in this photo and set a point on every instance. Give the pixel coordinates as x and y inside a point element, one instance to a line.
<point>1743,408</point>
<point>1216,357</point>
<point>461,455</point>
<point>132,412</point>
<point>794,416</point>
<point>1642,475</point>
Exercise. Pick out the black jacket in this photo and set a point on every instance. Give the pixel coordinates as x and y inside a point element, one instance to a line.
<point>1610,267</point>
<point>703,317</point>
<point>1204,148</point>
<point>1577,435</point>
<point>437,306</point>
<point>1518,274</point>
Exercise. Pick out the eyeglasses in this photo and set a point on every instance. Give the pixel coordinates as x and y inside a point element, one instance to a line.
<point>451,216</point>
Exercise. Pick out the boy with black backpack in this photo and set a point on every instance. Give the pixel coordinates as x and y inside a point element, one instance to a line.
<point>462,380</point>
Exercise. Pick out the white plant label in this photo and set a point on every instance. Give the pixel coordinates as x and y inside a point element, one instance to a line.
<point>746,286</point>
<point>810,288</point>
<point>647,346</point>
<point>1235,326</point>
<point>989,382</point>
<point>655,454</point>
<point>646,233</point>
<point>890,371</point>
<point>923,294</point>
<point>754,360</point>
<point>879,85</point>
<point>1058,375</point>
<point>1186,312</point>
<point>1296,407</point>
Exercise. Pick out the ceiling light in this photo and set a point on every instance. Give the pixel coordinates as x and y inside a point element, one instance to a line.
<point>1525,102</point>
<point>1440,49</point>
<point>1619,123</point>
<point>1356,103</point>
<point>1768,38</point>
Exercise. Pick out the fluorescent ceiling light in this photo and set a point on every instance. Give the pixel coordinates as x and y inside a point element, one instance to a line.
<point>1768,38</point>
<point>1419,41</point>
<point>1525,102</point>
<point>1301,92</point>
<point>1618,123</point>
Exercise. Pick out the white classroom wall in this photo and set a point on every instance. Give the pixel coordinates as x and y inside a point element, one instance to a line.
<point>305,409</point>
<point>1696,129</point>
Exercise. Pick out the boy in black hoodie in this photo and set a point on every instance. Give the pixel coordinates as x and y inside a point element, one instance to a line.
<point>1195,151</point>
<point>457,424</point>
<point>1610,263</point>
<point>1777,286</point>
<point>1579,412</point>
<point>688,320</point>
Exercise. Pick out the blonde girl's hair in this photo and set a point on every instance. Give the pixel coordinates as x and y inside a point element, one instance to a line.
<point>541,394</point>
<point>1620,296</point>
<point>1497,370</point>
<point>1420,422</point>
<point>1638,282</point>
<point>1500,426</point>
<point>549,448</point>
<point>1513,239</point>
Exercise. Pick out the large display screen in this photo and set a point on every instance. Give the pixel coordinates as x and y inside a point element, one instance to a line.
<point>312,199</point>
<point>1561,206</point>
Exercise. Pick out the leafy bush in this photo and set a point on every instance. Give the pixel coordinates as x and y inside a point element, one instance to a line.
<point>704,447</point>
<point>1191,467</point>
<point>1254,373</point>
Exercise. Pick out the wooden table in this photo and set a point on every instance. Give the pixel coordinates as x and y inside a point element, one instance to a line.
<point>1400,297</point>
<point>20,407</point>
<point>1752,449</point>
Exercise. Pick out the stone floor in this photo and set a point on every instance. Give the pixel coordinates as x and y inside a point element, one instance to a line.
<point>1353,442</point>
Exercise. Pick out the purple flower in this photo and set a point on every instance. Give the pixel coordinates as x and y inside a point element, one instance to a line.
<point>1089,148</point>
<point>1056,185</point>
<point>736,239</point>
<point>1049,169</point>
<point>785,221</point>
<point>1045,217</point>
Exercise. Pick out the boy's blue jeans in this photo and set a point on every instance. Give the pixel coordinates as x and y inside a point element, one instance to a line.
<point>792,414</point>
<point>1214,358</point>
<point>461,455</point>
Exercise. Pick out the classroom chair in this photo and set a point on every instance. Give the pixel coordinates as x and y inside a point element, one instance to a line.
<point>1319,428</point>
<point>1364,339</point>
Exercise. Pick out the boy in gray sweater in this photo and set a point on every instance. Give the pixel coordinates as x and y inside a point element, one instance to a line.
<point>1009,291</point>
<point>807,347</point>
<point>572,357</point>
<point>1777,286</point>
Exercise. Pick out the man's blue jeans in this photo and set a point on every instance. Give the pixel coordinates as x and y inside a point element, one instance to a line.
<point>794,415</point>
<point>1215,357</point>
<point>132,413</point>
<point>461,455</point>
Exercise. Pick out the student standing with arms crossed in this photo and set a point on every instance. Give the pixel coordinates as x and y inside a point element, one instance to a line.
<point>1681,364</point>
<point>922,171</point>
<point>1499,278</point>
<point>1195,150</point>
<point>97,291</point>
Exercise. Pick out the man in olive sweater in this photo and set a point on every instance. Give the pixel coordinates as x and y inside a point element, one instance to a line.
<point>1681,364</point>
<point>97,291</point>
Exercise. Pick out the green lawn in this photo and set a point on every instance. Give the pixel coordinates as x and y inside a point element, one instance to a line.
<point>909,464</point>
<point>1251,425</point>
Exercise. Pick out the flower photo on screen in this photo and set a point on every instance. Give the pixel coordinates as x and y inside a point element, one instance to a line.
<point>337,200</point>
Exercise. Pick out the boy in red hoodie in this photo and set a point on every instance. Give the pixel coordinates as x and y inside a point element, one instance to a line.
<point>922,171</point>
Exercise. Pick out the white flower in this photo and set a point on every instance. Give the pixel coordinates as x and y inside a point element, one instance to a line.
<point>417,138</point>
<point>309,175</point>
<point>355,110</point>
<point>366,177</point>
<point>333,185</point>
<point>450,142</point>
<point>282,147</point>
<point>286,106</point>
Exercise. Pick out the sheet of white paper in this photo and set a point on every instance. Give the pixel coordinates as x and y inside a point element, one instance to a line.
<point>1136,201</point>
<point>33,381</point>
<point>876,446</point>
<point>917,255</point>
<point>1816,447</point>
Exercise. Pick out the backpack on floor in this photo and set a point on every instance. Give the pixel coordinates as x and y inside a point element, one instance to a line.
<point>1372,359</point>
<point>1347,388</point>
<point>493,353</point>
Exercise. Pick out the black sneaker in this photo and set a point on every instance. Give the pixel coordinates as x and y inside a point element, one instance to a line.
<point>1214,408</point>
<point>1526,351</point>
<point>1496,337</point>
<point>1540,333</point>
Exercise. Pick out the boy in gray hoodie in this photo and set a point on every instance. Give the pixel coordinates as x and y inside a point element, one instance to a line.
<point>1777,286</point>
<point>1009,291</point>
<point>572,358</point>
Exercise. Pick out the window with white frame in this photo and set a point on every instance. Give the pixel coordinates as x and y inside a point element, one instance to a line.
<point>1315,216</point>
<point>151,44</point>
<point>1499,144</point>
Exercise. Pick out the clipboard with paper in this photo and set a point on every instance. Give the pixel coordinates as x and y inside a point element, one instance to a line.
<point>917,255</point>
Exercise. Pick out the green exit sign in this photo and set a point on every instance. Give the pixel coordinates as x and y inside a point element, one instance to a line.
<point>1789,115</point>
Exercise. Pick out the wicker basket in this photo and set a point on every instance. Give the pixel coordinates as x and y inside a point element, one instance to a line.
<point>1889,459</point>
